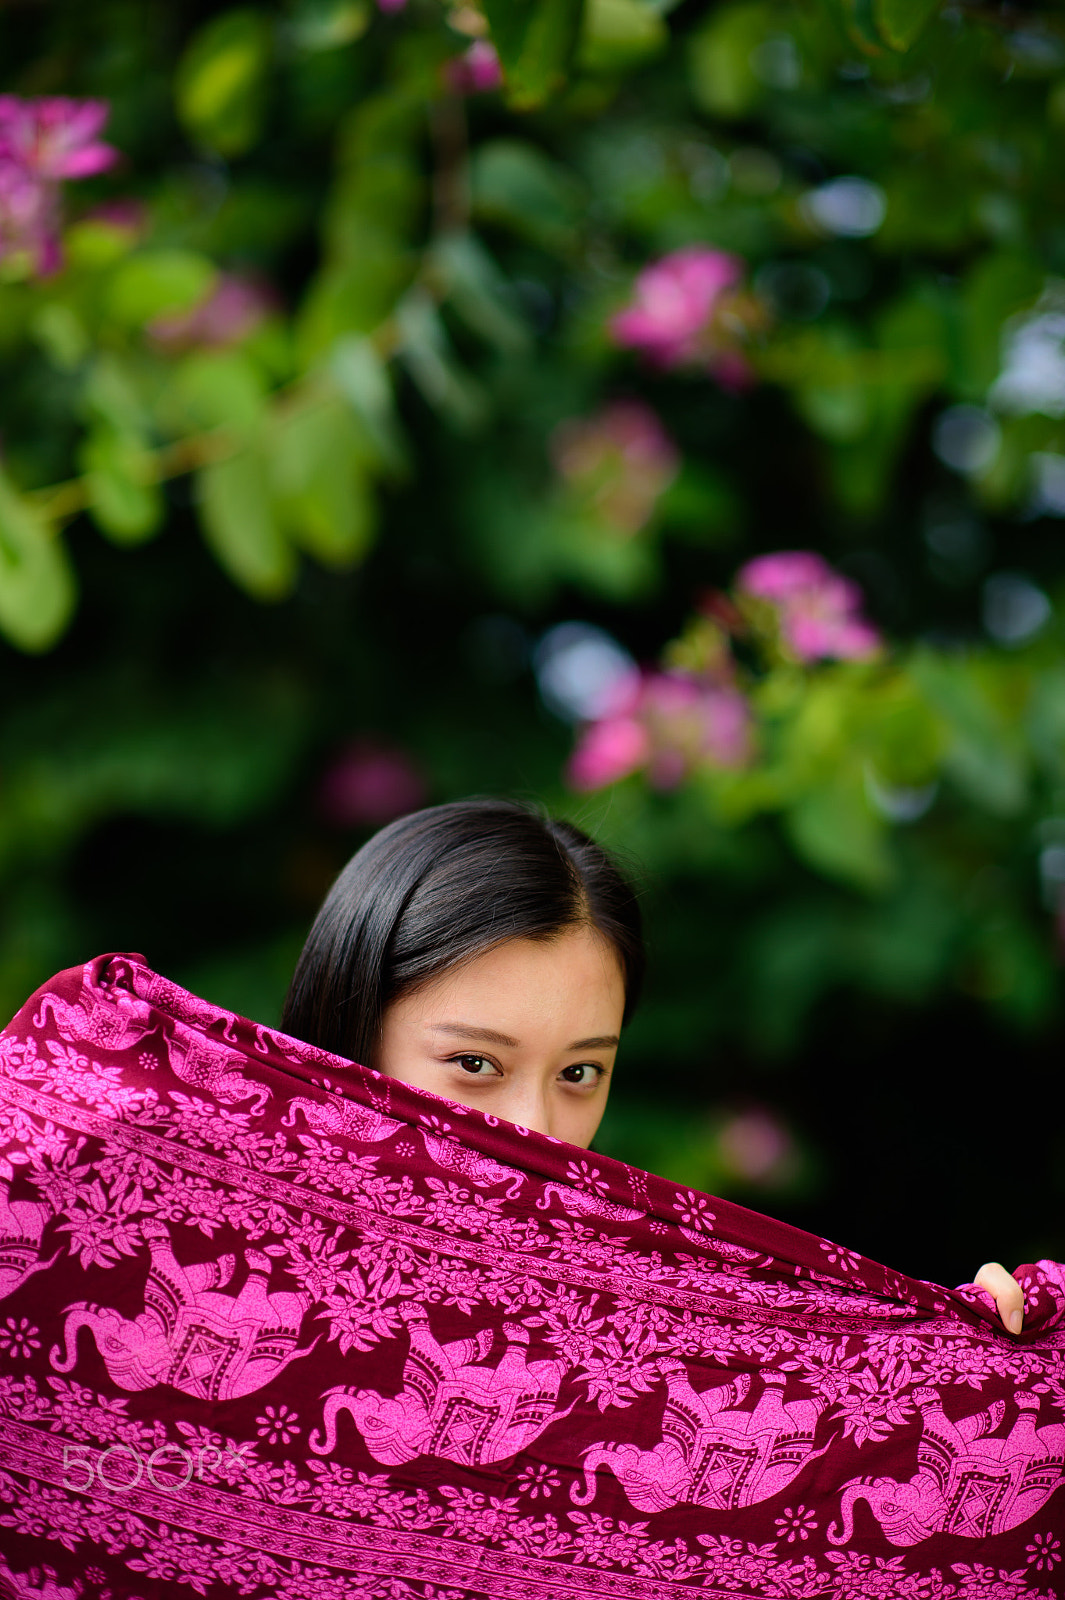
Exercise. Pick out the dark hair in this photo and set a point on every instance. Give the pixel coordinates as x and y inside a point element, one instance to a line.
<point>435,889</point>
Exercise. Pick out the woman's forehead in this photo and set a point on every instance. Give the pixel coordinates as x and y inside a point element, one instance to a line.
<point>528,982</point>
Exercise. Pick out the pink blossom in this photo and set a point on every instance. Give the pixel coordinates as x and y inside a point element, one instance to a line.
<point>818,608</point>
<point>391,5</point>
<point>674,722</point>
<point>477,71</point>
<point>608,750</point>
<point>232,311</point>
<point>55,138</point>
<point>43,142</point>
<point>29,218</point>
<point>621,459</point>
<point>368,784</point>
<point>755,1145</point>
<point>693,720</point>
<point>676,315</point>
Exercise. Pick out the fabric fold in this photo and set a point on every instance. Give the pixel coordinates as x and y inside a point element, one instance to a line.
<point>274,1325</point>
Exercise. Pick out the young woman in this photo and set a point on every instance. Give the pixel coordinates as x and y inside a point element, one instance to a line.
<point>491,956</point>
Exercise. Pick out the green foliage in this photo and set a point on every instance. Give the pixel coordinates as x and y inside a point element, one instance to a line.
<point>36,584</point>
<point>154,282</point>
<point>123,501</point>
<point>241,525</point>
<point>219,85</point>
<point>535,40</point>
<point>328,336</point>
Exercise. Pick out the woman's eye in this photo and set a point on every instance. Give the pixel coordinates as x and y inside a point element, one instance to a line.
<point>583,1073</point>
<point>476,1066</point>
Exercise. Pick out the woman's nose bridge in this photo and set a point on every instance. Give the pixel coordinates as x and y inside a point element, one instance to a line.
<point>529,1102</point>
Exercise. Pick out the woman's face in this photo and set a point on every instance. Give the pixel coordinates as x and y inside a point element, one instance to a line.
<point>527,1032</point>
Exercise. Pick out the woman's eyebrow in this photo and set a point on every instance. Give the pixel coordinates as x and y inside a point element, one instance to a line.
<point>468,1030</point>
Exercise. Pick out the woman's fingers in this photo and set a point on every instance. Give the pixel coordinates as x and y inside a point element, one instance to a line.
<point>1006,1293</point>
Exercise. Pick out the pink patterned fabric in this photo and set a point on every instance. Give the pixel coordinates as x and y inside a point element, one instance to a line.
<point>274,1326</point>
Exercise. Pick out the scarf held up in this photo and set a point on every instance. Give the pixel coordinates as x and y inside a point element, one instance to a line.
<point>275,1326</point>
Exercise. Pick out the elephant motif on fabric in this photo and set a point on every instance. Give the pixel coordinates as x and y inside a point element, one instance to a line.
<point>190,1335</point>
<point>189,1008</point>
<point>341,1116</point>
<point>209,1064</point>
<point>203,1062</point>
<point>449,1406</point>
<point>104,1026</point>
<point>712,1454</point>
<point>470,1164</point>
<point>966,1482</point>
<point>22,1224</point>
<point>578,1202</point>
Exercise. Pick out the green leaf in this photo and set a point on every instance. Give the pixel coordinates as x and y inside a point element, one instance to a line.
<point>620,34</point>
<point>241,528</point>
<point>856,21</point>
<point>478,291</point>
<point>94,243</point>
<point>719,58</point>
<point>369,224</point>
<point>1046,720</point>
<point>329,24</point>
<point>216,389</point>
<point>155,282</point>
<point>515,184</point>
<point>322,493</point>
<point>900,23</point>
<point>995,288</point>
<point>363,379</point>
<point>834,828</point>
<point>220,81</point>
<point>985,755</point>
<point>352,298</point>
<point>62,335</point>
<point>36,583</point>
<point>535,40</point>
<point>428,356</point>
<point>124,502</point>
<point>111,395</point>
<point>380,184</point>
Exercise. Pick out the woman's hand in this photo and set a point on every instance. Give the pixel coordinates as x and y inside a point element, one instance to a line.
<point>1006,1293</point>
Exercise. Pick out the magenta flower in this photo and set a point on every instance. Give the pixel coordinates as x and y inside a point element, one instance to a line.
<point>608,750</point>
<point>620,460</point>
<point>369,784</point>
<point>686,310</point>
<point>755,1145</point>
<point>233,310</point>
<point>29,218</point>
<point>42,143</point>
<point>55,138</point>
<point>391,5</point>
<point>818,609</point>
<point>672,723</point>
<point>477,71</point>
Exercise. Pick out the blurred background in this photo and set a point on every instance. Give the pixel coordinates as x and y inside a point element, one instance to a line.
<point>654,411</point>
